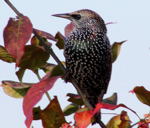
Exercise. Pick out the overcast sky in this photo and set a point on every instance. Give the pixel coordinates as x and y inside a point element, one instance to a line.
<point>131,69</point>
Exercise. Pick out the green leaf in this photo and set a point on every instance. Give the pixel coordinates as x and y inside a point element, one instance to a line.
<point>111,100</point>
<point>116,50</point>
<point>120,121</point>
<point>142,94</point>
<point>57,71</point>
<point>16,34</point>
<point>34,58</point>
<point>76,99</point>
<point>35,41</point>
<point>20,74</point>
<point>48,67</point>
<point>60,40</point>
<point>36,113</point>
<point>52,116</point>
<point>70,109</point>
<point>5,56</point>
<point>15,89</point>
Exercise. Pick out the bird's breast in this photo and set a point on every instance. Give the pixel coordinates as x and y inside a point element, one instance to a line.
<point>86,50</point>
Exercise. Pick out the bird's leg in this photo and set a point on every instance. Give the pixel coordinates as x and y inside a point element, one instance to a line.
<point>100,98</point>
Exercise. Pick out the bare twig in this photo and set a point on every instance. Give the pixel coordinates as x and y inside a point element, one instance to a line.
<point>134,124</point>
<point>101,124</point>
<point>110,113</point>
<point>144,120</point>
<point>13,8</point>
<point>48,96</point>
<point>46,93</point>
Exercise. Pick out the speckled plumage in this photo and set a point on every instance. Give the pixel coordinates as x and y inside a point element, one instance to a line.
<point>88,54</point>
<point>88,59</point>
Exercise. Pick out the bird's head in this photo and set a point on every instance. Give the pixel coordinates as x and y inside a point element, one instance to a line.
<point>84,18</point>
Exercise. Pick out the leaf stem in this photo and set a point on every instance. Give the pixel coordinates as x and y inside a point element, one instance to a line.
<point>48,96</point>
<point>46,93</point>
<point>37,74</point>
<point>134,124</point>
<point>110,113</point>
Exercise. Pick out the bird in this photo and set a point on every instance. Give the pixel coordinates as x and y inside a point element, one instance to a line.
<point>87,52</point>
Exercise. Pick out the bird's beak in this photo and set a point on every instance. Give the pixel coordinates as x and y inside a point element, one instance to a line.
<point>64,15</point>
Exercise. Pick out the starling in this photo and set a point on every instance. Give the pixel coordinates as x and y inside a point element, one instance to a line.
<point>88,54</point>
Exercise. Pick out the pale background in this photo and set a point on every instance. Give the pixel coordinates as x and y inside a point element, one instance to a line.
<point>131,69</point>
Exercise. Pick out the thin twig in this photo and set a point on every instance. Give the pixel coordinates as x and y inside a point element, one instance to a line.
<point>13,8</point>
<point>39,78</point>
<point>101,124</point>
<point>37,74</point>
<point>138,122</point>
<point>48,96</point>
<point>134,124</point>
<point>110,113</point>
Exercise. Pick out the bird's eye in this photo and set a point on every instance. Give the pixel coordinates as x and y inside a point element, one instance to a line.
<point>76,16</point>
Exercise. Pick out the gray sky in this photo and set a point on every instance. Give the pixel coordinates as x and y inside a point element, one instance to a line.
<point>131,69</point>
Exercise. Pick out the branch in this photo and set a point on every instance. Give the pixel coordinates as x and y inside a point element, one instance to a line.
<point>51,52</point>
<point>13,8</point>
<point>134,124</point>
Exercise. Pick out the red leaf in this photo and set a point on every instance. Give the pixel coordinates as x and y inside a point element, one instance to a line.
<point>67,125</point>
<point>147,118</point>
<point>110,107</point>
<point>69,28</point>
<point>131,91</point>
<point>143,124</point>
<point>83,119</point>
<point>34,95</point>
<point>16,35</point>
<point>45,34</point>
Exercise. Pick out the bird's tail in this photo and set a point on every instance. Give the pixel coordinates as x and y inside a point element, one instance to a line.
<point>94,101</point>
